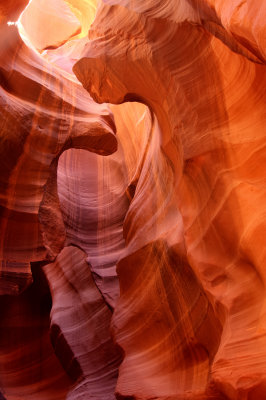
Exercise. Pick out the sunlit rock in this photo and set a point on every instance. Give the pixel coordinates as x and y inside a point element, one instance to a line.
<point>137,225</point>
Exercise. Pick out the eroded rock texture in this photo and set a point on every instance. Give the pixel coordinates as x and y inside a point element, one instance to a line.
<point>80,320</point>
<point>139,225</point>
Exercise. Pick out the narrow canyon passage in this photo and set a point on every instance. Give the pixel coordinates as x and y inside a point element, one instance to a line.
<point>132,201</point>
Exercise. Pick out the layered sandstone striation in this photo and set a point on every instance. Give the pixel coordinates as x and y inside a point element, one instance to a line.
<point>44,112</point>
<point>138,226</point>
<point>80,320</point>
<point>195,228</point>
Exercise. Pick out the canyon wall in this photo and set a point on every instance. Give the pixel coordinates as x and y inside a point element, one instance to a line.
<point>133,196</point>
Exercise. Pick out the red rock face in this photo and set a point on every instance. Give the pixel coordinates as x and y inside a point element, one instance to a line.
<point>137,225</point>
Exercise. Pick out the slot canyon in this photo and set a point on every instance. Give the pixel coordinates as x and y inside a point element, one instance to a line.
<point>133,200</point>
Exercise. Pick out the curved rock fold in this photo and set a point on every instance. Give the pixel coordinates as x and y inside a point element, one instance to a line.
<point>133,200</point>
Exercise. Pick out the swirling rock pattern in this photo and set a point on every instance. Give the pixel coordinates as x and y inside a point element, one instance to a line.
<point>94,196</point>
<point>80,321</point>
<point>198,65</point>
<point>43,112</point>
<point>154,255</point>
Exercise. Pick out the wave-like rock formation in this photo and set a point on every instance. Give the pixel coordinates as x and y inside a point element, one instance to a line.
<point>43,113</point>
<point>80,320</point>
<point>132,233</point>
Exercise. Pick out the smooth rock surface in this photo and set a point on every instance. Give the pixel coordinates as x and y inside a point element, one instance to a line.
<point>57,18</point>
<point>200,195</point>
<point>80,321</point>
<point>138,225</point>
<point>43,112</point>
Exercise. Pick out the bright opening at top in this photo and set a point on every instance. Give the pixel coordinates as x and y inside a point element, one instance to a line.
<point>48,24</point>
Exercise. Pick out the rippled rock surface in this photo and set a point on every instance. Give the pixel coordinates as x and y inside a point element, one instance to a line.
<point>133,200</point>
